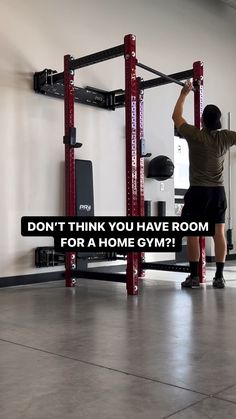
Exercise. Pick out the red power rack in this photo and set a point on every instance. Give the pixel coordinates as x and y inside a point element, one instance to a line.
<point>70,198</point>
<point>61,85</point>
<point>140,163</point>
<point>198,108</point>
<point>132,204</point>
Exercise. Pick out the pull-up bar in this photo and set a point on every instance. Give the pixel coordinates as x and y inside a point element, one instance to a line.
<point>158,73</point>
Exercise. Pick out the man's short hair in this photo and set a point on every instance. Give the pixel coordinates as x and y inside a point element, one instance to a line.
<point>211,117</point>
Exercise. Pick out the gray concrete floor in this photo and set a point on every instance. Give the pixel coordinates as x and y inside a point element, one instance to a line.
<point>93,353</point>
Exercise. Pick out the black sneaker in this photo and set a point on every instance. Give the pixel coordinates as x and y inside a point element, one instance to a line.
<point>218,282</point>
<point>191,282</point>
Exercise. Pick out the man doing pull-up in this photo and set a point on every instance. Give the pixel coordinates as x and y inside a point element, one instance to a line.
<point>205,198</point>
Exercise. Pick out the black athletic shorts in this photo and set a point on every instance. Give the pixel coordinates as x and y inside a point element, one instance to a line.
<point>205,203</point>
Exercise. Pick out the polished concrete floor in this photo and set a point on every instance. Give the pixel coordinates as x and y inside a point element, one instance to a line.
<point>93,353</point>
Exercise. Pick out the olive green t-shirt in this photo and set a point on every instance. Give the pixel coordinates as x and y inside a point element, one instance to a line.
<point>206,154</point>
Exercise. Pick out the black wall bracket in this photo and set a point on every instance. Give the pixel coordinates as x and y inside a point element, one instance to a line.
<point>44,84</point>
<point>47,82</point>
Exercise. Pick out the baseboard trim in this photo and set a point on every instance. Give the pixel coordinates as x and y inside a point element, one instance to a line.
<point>12,281</point>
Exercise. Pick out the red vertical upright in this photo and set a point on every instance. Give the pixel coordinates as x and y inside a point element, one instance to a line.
<point>70,260</point>
<point>131,152</point>
<point>140,164</point>
<point>198,108</point>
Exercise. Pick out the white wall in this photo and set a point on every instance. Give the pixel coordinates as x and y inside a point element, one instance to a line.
<point>171,35</point>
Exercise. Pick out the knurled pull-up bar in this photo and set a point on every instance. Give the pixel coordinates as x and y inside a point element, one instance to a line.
<point>158,73</point>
